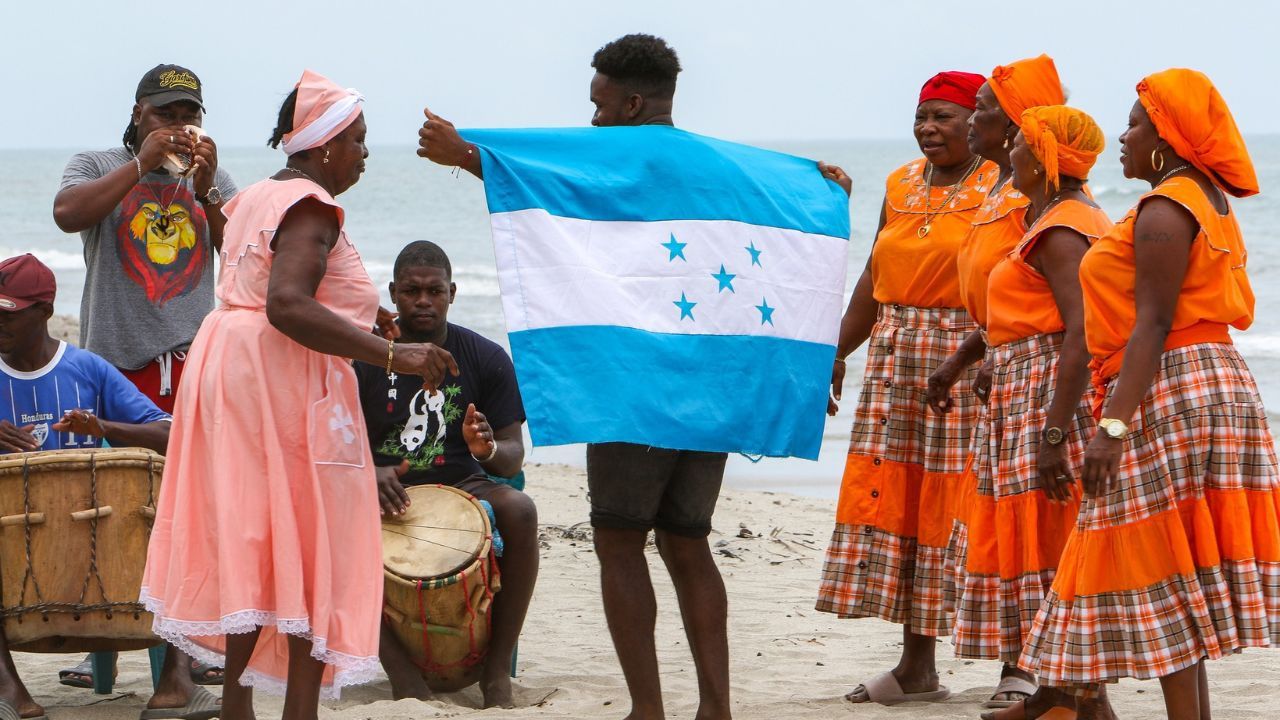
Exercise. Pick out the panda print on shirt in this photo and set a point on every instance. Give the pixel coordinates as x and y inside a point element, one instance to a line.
<point>421,439</point>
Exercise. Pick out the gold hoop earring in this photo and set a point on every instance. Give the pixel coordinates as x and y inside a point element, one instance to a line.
<point>1006,143</point>
<point>326,156</point>
<point>1154,166</point>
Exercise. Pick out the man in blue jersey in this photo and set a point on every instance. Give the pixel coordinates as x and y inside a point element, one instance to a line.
<point>55,396</point>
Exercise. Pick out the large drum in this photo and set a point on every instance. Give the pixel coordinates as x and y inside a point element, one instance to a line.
<point>74,526</point>
<point>440,580</point>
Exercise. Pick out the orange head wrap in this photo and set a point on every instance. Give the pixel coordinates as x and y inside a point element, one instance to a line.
<point>1065,140</point>
<point>1026,84</point>
<point>1192,117</point>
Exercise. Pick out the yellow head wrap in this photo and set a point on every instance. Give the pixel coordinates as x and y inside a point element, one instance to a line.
<point>1065,140</point>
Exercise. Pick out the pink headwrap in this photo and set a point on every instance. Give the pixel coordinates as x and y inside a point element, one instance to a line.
<point>323,110</point>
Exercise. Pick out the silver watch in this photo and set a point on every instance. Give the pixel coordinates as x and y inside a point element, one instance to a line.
<point>213,197</point>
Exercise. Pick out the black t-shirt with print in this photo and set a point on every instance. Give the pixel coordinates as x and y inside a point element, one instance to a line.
<point>407,423</point>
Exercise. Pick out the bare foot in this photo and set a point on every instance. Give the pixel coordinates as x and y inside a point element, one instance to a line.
<point>495,683</point>
<point>408,682</point>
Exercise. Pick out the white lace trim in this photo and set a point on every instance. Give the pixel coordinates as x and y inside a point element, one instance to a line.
<point>347,669</point>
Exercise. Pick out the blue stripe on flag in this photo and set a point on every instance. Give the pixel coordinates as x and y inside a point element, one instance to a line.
<point>653,172</point>
<point>719,393</point>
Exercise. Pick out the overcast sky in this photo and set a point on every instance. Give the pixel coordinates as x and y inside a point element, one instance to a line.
<point>769,70</point>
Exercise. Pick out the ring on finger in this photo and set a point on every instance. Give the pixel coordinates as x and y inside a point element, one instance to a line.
<point>172,139</point>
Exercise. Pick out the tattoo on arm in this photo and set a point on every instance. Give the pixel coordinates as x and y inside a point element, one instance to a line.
<point>1158,236</point>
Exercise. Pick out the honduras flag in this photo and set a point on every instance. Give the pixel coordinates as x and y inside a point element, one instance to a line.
<point>665,288</point>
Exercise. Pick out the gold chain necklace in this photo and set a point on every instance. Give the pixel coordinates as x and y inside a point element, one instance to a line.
<point>303,173</point>
<point>162,212</point>
<point>930,213</point>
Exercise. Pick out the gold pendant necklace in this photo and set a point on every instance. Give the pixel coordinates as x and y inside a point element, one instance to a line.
<point>930,213</point>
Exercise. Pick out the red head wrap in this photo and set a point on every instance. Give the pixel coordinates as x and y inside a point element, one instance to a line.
<point>954,86</point>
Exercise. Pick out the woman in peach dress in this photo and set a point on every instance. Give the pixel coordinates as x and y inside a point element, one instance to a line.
<point>266,555</point>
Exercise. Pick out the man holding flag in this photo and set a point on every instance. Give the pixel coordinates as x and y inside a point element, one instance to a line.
<point>631,260</point>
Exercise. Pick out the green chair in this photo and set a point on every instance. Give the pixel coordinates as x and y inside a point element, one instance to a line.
<point>104,668</point>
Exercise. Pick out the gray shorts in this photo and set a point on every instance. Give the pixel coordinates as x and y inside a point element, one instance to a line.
<point>636,487</point>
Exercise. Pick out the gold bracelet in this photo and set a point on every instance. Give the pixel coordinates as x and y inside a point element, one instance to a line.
<point>391,354</point>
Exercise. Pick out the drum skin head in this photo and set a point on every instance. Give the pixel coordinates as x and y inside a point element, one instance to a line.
<point>443,531</point>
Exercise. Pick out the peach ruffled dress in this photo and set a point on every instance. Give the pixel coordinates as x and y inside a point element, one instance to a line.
<point>268,515</point>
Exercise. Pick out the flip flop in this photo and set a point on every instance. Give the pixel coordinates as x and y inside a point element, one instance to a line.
<point>1054,713</point>
<point>9,712</point>
<point>74,677</point>
<point>885,690</point>
<point>1010,685</point>
<point>203,705</point>
<point>200,673</point>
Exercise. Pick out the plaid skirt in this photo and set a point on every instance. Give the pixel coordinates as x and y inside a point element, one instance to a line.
<point>897,499</point>
<point>1180,561</point>
<point>1015,533</point>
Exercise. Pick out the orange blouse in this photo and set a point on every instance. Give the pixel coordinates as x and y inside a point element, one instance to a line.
<point>1020,300</point>
<point>1215,292</point>
<point>998,226</point>
<point>907,269</point>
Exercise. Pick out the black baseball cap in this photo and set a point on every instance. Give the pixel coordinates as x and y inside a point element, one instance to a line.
<point>164,84</point>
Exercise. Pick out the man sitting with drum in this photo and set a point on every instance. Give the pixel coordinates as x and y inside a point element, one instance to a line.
<point>55,396</point>
<point>459,436</point>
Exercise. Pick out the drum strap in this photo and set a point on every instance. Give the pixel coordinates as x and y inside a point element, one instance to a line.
<point>94,572</point>
<point>474,656</point>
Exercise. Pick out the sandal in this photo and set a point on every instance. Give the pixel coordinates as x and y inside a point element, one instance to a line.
<point>1011,690</point>
<point>1018,711</point>
<point>885,690</point>
<point>80,676</point>
<point>205,674</point>
<point>203,705</point>
<point>9,712</point>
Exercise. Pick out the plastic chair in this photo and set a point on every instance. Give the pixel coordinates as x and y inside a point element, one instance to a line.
<point>104,668</point>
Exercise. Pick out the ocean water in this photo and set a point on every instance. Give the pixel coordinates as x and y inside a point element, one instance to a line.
<point>403,198</point>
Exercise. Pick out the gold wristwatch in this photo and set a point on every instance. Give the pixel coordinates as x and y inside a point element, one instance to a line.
<point>1054,435</point>
<point>1114,429</point>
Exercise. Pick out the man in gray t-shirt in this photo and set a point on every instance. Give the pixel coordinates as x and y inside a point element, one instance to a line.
<point>150,236</point>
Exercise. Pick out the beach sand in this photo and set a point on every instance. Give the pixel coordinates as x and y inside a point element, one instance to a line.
<point>788,661</point>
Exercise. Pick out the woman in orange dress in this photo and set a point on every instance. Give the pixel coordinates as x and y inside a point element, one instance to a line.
<point>895,513</point>
<point>1175,556</point>
<point>1028,457</point>
<point>266,552</point>
<point>997,228</point>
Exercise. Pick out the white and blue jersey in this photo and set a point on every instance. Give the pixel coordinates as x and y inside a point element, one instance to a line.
<point>73,380</point>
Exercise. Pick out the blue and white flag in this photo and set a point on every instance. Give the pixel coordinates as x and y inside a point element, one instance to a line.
<point>666,288</point>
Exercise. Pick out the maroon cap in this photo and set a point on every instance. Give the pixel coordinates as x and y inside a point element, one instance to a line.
<point>24,281</point>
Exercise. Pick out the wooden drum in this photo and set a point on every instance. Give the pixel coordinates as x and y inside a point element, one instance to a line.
<point>74,526</point>
<point>440,580</point>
